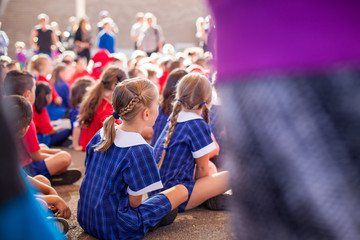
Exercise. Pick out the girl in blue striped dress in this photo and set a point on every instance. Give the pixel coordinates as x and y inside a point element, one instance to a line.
<point>166,100</point>
<point>185,143</point>
<point>120,169</point>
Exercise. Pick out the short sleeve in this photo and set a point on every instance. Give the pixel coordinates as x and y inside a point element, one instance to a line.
<point>45,126</point>
<point>30,140</point>
<point>142,175</point>
<point>201,142</point>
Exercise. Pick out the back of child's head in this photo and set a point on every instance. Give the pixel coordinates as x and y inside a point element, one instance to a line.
<point>19,113</point>
<point>16,82</point>
<point>78,90</point>
<point>37,63</point>
<point>56,73</point>
<point>130,97</point>
<point>42,90</point>
<point>137,72</point>
<point>193,92</point>
<point>168,93</point>
<point>92,99</point>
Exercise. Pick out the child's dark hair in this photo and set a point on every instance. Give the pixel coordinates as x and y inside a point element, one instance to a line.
<point>16,82</point>
<point>193,91</point>
<point>42,90</point>
<point>78,90</point>
<point>92,99</point>
<point>168,93</point>
<point>129,98</point>
<point>19,112</point>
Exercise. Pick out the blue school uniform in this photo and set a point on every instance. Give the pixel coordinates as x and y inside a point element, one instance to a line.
<point>159,125</point>
<point>126,168</point>
<point>191,139</point>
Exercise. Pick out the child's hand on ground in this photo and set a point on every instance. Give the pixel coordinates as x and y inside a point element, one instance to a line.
<point>58,204</point>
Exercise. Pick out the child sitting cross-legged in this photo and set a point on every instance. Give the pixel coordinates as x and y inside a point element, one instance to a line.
<point>120,169</point>
<point>19,118</point>
<point>185,144</point>
<point>35,158</point>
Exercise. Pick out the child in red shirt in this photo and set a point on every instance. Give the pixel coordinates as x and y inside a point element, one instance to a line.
<point>41,66</point>
<point>46,132</point>
<point>96,105</point>
<point>34,158</point>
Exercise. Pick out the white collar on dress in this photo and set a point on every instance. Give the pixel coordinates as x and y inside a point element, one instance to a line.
<point>126,139</point>
<point>187,116</point>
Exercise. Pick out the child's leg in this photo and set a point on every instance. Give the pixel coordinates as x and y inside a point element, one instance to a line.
<point>58,162</point>
<point>176,195</point>
<point>42,179</point>
<point>208,187</point>
<point>60,136</point>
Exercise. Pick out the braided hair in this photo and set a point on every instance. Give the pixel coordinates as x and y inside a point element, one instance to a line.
<point>129,98</point>
<point>193,92</point>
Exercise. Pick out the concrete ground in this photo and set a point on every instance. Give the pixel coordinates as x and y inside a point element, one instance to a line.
<point>198,223</point>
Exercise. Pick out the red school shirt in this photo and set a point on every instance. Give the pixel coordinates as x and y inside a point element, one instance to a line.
<point>104,110</point>
<point>42,121</point>
<point>28,144</point>
<point>54,94</point>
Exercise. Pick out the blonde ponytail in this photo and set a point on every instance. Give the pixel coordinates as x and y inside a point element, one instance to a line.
<point>109,134</point>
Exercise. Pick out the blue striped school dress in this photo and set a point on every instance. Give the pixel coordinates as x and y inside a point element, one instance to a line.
<point>191,139</point>
<point>126,168</point>
<point>159,125</point>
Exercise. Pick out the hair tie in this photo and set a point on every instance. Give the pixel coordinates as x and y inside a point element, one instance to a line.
<point>180,100</point>
<point>115,115</point>
<point>202,103</point>
<point>119,77</point>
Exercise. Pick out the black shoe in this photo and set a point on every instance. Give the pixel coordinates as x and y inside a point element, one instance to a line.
<point>66,178</point>
<point>60,224</point>
<point>168,219</point>
<point>219,202</point>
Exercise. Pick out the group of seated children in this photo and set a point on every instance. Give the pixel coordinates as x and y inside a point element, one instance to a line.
<point>121,167</point>
<point>19,119</point>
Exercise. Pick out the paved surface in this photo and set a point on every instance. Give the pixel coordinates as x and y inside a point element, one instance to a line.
<point>198,223</point>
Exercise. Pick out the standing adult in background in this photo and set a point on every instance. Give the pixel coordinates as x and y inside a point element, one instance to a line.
<point>289,79</point>
<point>69,33</point>
<point>151,38</point>
<point>136,28</point>
<point>4,42</point>
<point>43,39</point>
<point>102,16</point>
<point>83,39</point>
<point>106,37</point>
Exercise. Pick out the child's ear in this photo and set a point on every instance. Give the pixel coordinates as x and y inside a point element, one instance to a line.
<point>26,94</point>
<point>145,114</point>
<point>23,131</point>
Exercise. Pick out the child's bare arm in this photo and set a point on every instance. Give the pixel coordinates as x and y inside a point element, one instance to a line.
<point>135,201</point>
<point>56,203</point>
<point>38,155</point>
<point>216,151</point>
<point>75,138</point>
<point>50,150</point>
<point>43,188</point>
<point>202,166</point>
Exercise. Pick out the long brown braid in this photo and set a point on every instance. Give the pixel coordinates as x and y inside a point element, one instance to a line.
<point>130,97</point>
<point>193,92</point>
<point>176,110</point>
